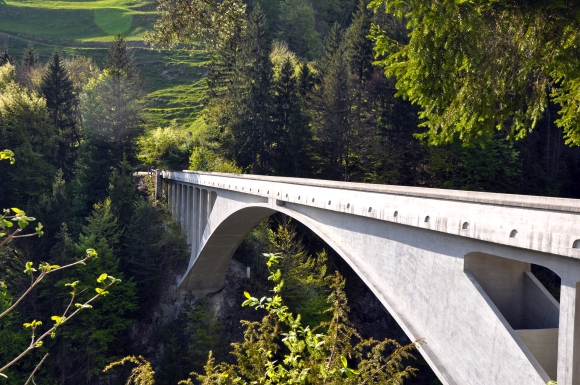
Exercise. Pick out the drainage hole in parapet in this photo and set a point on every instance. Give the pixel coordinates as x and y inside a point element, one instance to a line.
<point>396,214</point>
<point>465,225</point>
<point>312,200</point>
<point>427,219</point>
<point>286,195</point>
<point>370,209</point>
<point>278,194</point>
<point>576,244</point>
<point>329,202</point>
<point>298,197</point>
<point>513,233</point>
<point>348,206</point>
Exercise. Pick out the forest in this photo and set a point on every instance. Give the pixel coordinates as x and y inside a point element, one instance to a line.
<point>344,90</point>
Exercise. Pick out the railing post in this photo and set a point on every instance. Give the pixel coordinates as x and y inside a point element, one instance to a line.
<point>158,184</point>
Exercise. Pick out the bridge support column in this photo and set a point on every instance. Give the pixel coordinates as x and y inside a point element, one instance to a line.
<point>190,215</point>
<point>569,335</point>
<point>203,213</point>
<point>195,222</point>
<point>174,201</point>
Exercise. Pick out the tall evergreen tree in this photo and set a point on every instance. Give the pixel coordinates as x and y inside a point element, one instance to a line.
<point>332,109</point>
<point>119,62</point>
<point>111,110</point>
<point>62,103</point>
<point>4,56</point>
<point>291,126</point>
<point>251,99</point>
<point>360,48</point>
<point>30,57</point>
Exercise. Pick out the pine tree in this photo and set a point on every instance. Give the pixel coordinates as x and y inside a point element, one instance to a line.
<point>30,57</point>
<point>360,48</point>
<point>291,126</point>
<point>306,81</point>
<point>62,103</point>
<point>4,56</point>
<point>251,99</point>
<point>333,42</point>
<point>332,109</point>
<point>119,62</point>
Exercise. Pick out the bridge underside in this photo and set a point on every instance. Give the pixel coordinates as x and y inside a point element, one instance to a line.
<point>481,314</point>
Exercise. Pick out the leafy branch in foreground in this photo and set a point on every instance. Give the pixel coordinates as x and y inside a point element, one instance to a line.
<point>281,350</point>
<point>106,282</point>
<point>44,268</point>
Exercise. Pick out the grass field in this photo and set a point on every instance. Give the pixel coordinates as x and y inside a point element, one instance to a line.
<point>172,80</point>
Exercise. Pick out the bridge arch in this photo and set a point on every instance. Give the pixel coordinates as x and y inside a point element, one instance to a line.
<point>208,268</point>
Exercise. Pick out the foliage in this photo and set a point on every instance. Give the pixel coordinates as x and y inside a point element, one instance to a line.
<point>305,286</point>
<point>296,27</point>
<point>25,129</point>
<point>81,70</point>
<point>203,159</point>
<point>497,69</point>
<point>7,305</point>
<point>305,355</point>
<point>102,334</point>
<point>208,21</point>
<point>165,148</point>
<point>142,374</point>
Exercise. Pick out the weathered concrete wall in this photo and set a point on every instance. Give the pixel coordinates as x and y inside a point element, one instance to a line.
<point>410,247</point>
<point>543,344</point>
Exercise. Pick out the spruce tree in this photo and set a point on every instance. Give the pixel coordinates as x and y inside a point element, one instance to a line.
<point>119,62</point>
<point>292,155</point>
<point>360,48</point>
<point>333,42</point>
<point>333,109</point>
<point>4,56</point>
<point>62,103</point>
<point>30,57</point>
<point>251,99</point>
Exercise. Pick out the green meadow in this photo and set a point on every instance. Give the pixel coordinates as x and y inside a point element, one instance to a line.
<point>173,80</point>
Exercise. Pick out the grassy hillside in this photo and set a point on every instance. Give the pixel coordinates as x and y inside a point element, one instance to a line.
<point>172,80</point>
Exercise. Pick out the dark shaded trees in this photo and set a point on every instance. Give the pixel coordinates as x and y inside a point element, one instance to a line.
<point>292,153</point>
<point>62,103</point>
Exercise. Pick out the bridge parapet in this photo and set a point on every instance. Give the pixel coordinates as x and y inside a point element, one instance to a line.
<point>546,224</point>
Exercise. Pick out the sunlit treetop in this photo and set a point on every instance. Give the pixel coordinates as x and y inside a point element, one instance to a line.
<point>476,66</point>
<point>190,22</point>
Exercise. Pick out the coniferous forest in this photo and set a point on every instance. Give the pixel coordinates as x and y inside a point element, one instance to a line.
<point>326,89</point>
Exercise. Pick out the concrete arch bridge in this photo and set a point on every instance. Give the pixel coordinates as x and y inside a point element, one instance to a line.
<point>452,267</point>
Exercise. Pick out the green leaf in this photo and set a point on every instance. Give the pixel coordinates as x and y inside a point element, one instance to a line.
<point>92,253</point>
<point>17,211</point>
<point>344,361</point>
<point>101,278</point>
<point>247,295</point>
<point>84,306</point>
<point>58,319</point>
<point>99,290</point>
<point>73,284</point>
<point>28,268</point>
<point>38,344</point>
